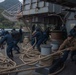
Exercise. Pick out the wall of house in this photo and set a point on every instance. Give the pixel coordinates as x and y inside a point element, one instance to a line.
<point>38,7</point>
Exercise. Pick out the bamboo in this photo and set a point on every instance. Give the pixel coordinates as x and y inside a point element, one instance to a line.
<point>32,61</point>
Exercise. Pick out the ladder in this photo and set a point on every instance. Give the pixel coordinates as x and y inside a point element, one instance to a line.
<point>12,12</point>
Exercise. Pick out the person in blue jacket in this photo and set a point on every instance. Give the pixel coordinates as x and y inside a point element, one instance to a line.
<point>73,31</point>
<point>46,34</point>
<point>36,34</point>
<point>64,31</point>
<point>44,37</point>
<point>33,28</point>
<point>16,38</point>
<point>2,34</point>
<point>9,40</point>
<point>21,34</point>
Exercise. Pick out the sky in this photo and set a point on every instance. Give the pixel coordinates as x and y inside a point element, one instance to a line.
<point>3,0</point>
<point>20,0</point>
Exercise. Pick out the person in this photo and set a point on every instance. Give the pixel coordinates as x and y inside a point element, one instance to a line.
<point>36,34</point>
<point>33,28</point>
<point>73,31</point>
<point>2,35</point>
<point>64,31</point>
<point>46,34</point>
<point>9,40</point>
<point>44,37</point>
<point>13,30</point>
<point>21,34</point>
<point>16,38</point>
<point>69,45</point>
<point>2,32</point>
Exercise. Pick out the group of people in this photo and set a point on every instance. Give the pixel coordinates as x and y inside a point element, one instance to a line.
<point>68,45</point>
<point>40,36</point>
<point>11,39</point>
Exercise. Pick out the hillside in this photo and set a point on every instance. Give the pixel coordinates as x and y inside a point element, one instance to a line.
<point>8,3</point>
<point>4,23</point>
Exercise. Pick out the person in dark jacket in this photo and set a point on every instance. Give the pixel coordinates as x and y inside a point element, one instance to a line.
<point>44,37</point>
<point>46,34</point>
<point>21,34</point>
<point>2,32</point>
<point>73,31</point>
<point>9,40</point>
<point>64,31</point>
<point>16,38</point>
<point>33,28</point>
<point>2,35</point>
<point>36,34</point>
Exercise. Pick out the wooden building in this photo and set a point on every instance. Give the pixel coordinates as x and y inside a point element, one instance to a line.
<point>41,13</point>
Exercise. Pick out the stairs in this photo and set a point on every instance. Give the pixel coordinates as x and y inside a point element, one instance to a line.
<point>12,12</point>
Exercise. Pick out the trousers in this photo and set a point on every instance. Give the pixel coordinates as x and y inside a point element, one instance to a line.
<point>9,50</point>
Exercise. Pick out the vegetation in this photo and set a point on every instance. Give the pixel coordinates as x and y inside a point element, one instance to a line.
<point>8,3</point>
<point>4,23</point>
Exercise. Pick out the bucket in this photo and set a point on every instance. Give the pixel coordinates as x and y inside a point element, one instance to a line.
<point>45,49</point>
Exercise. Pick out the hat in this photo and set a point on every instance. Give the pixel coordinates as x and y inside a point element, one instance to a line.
<point>37,29</point>
<point>6,32</point>
<point>74,26</point>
